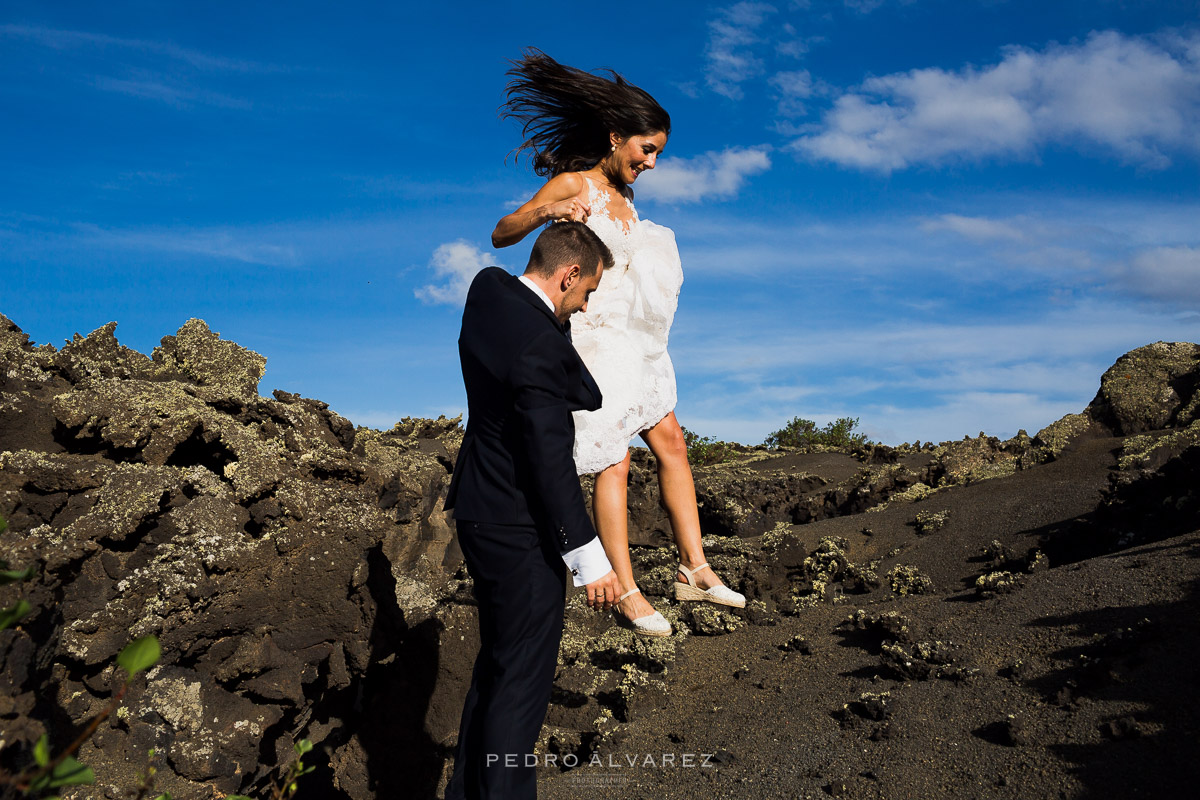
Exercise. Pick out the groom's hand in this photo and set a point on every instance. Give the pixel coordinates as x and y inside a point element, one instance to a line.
<point>602,593</point>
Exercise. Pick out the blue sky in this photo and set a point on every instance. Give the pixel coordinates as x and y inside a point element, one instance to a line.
<point>938,217</point>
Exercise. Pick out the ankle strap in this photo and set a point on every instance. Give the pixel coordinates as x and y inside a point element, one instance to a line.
<point>693,570</point>
<point>632,591</point>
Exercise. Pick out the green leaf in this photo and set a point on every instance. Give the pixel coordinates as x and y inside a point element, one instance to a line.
<point>8,576</point>
<point>11,615</point>
<point>70,772</point>
<point>237,797</point>
<point>303,746</point>
<point>139,654</point>
<point>41,751</point>
<point>67,772</point>
<point>164,796</point>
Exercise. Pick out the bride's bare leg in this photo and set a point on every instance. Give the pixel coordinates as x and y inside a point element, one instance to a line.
<point>611,512</point>
<point>678,492</point>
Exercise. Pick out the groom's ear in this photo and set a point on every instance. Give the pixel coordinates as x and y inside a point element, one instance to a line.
<point>570,274</point>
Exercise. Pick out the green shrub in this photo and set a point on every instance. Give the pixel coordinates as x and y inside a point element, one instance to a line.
<point>804,433</point>
<point>705,450</point>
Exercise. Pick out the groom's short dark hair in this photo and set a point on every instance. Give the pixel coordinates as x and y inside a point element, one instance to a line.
<point>568,243</point>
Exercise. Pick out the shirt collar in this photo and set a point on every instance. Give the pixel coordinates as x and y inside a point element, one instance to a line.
<point>538,291</point>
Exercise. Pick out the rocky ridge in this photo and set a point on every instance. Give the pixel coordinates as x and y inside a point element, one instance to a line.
<point>304,582</point>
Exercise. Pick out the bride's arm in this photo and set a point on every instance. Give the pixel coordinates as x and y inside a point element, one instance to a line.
<point>562,197</point>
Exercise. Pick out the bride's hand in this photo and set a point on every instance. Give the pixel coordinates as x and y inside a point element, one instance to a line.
<point>573,209</point>
<point>563,197</point>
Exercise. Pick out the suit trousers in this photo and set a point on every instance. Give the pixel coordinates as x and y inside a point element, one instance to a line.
<point>520,586</point>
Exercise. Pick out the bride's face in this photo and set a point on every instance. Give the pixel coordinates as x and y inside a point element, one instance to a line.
<point>635,155</point>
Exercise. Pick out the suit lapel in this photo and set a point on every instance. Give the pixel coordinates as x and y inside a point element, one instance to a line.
<point>525,293</point>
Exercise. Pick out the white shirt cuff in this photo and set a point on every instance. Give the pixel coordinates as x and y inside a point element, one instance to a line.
<point>587,563</point>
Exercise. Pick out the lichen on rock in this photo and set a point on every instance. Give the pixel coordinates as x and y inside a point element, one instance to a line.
<point>930,521</point>
<point>1054,438</point>
<point>994,583</point>
<point>1150,452</point>
<point>1153,387</point>
<point>885,624</point>
<point>980,458</point>
<point>198,355</point>
<point>100,355</point>
<point>706,619</point>
<point>923,660</point>
<point>907,579</point>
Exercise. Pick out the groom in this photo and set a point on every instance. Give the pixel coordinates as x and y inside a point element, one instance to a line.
<point>518,507</point>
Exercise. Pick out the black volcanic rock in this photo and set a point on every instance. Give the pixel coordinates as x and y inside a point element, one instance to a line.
<point>199,356</point>
<point>165,496</point>
<point>304,582</point>
<point>1150,388</point>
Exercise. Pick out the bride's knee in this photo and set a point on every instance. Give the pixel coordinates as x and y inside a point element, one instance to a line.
<point>616,474</point>
<point>670,444</point>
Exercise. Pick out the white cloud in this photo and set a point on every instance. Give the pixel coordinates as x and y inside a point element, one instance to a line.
<point>730,52</point>
<point>929,347</point>
<point>711,175</point>
<point>263,247</point>
<point>1133,96</point>
<point>999,414</point>
<point>1056,245</point>
<point>925,327</point>
<point>794,86</point>
<point>1169,274</point>
<point>370,248</point>
<point>863,6</point>
<point>975,228</point>
<point>910,379</point>
<point>152,70</point>
<point>456,264</point>
<point>1101,252</point>
<point>174,95</point>
<point>791,44</point>
<point>59,39</point>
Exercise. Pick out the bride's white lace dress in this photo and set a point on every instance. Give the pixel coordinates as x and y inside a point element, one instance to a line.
<point>622,337</point>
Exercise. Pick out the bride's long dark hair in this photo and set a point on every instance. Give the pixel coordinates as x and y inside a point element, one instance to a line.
<point>566,114</point>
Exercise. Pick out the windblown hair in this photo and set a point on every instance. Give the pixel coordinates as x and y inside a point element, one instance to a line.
<point>568,243</point>
<point>566,114</point>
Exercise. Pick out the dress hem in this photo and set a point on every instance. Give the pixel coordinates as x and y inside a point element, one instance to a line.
<point>636,433</point>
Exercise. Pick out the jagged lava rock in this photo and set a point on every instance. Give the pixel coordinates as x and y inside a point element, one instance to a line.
<point>202,357</point>
<point>282,557</point>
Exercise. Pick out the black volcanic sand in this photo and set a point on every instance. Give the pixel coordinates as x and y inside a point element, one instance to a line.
<point>1079,683</point>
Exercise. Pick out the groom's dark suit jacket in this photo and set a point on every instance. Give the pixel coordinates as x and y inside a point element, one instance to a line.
<point>523,380</point>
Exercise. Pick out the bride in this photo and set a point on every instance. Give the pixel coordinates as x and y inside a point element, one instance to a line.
<point>593,135</point>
